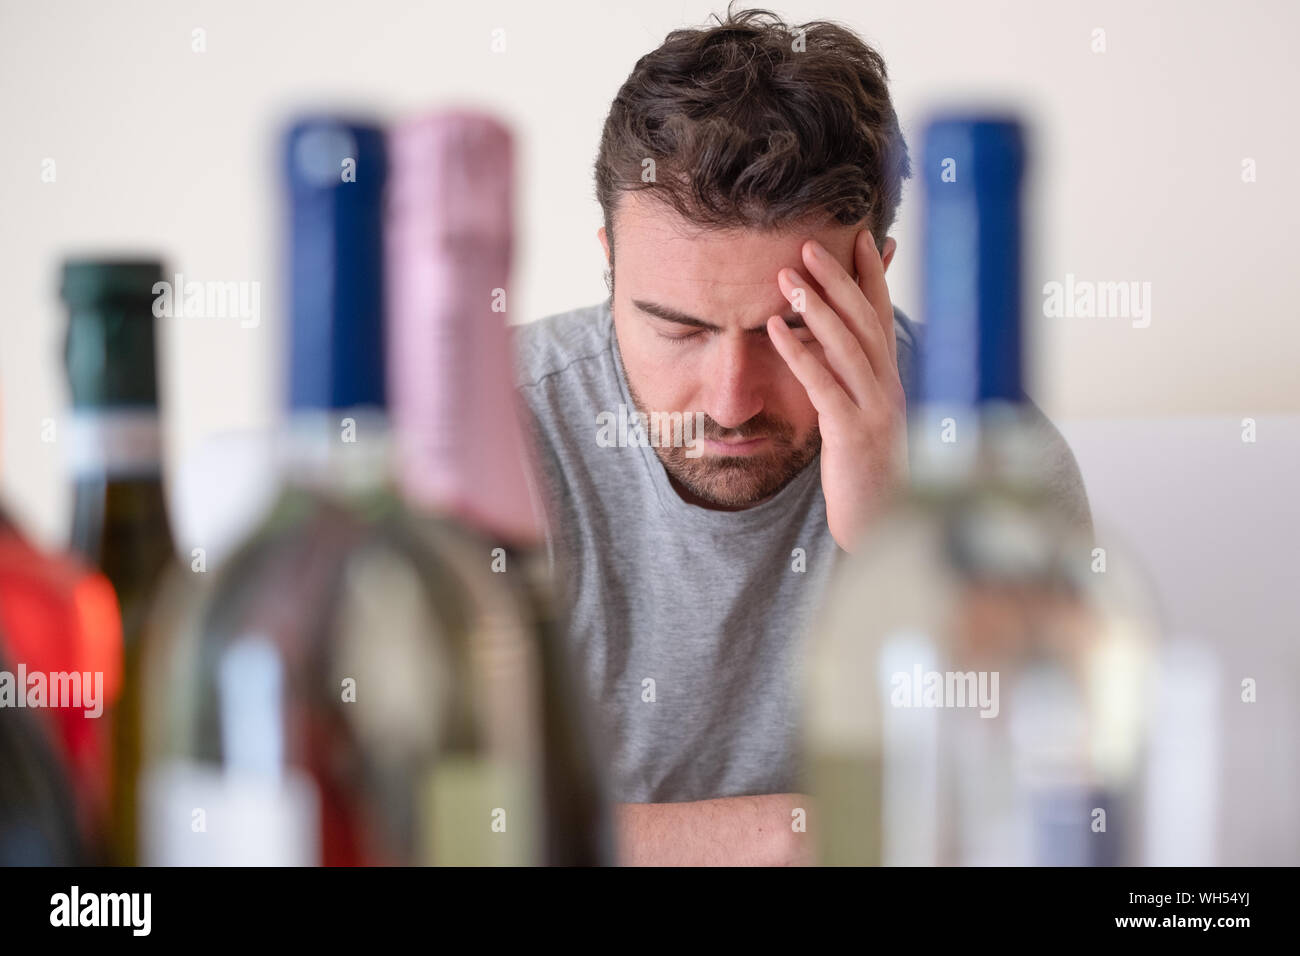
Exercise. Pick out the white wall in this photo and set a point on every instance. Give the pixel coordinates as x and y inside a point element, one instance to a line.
<point>159,148</point>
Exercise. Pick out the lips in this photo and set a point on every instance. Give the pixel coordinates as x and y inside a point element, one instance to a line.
<point>734,445</point>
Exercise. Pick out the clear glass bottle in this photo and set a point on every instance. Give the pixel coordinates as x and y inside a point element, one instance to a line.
<point>978,682</point>
<point>325,697</point>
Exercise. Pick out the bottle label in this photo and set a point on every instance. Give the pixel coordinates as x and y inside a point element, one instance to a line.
<point>195,814</point>
<point>114,441</point>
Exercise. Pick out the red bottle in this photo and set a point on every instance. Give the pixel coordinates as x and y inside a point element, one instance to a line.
<point>58,618</point>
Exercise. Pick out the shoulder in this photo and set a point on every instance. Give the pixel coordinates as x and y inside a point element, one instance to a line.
<point>907,334</point>
<point>559,342</point>
<point>1059,469</point>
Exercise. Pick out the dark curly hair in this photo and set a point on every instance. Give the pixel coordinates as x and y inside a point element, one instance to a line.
<point>756,123</point>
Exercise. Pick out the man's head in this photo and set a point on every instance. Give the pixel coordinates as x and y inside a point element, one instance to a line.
<point>724,150</point>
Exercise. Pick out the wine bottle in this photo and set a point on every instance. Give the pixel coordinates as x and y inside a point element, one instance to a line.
<point>38,817</point>
<point>324,698</point>
<point>58,618</point>
<point>120,523</point>
<point>976,682</point>
<point>462,452</point>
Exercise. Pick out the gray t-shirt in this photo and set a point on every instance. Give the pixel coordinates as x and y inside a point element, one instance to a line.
<point>684,623</point>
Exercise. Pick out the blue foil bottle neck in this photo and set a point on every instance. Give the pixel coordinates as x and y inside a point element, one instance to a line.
<point>973,169</point>
<point>335,172</point>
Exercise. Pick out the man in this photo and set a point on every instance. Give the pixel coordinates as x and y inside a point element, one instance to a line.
<point>750,173</point>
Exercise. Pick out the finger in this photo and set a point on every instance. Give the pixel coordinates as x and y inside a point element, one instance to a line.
<point>846,298</point>
<point>825,393</point>
<point>841,347</point>
<point>871,279</point>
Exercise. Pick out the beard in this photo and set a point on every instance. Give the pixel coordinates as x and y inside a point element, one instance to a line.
<point>737,481</point>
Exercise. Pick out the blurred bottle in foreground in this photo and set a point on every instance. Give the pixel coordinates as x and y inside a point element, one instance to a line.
<point>119,521</point>
<point>60,666</point>
<point>978,681</point>
<point>38,816</point>
<point>462,452</point>
<point>324,699</point>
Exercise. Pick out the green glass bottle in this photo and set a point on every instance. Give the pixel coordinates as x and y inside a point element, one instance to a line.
<point>120,521</point>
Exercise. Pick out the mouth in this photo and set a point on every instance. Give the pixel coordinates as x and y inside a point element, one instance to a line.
<point>735,447</point>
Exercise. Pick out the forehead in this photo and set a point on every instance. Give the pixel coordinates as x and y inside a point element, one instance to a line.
<point>655,247</point>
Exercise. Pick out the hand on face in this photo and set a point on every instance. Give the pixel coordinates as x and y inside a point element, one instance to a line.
<point>855,385</point>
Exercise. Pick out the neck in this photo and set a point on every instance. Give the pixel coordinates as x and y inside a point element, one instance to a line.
<point>341,451</point>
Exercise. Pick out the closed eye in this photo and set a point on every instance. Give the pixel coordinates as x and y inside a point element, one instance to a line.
<point>801,332</point>
<point>681,338</point>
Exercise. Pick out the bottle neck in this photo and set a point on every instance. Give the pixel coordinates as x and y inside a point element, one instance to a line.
<point>115,459</point>
<point>956,445</point>
<point>120,522</point>
<point>341,452</point>
<point>115,443</point>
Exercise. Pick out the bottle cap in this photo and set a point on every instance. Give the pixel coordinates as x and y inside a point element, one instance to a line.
<point>973,167</point>
<point>110,347</point>
<point>462,449</point>
<point>453,176</point>
<point>335,173</point>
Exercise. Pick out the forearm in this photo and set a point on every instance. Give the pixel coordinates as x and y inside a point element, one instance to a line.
<point>731,831</point>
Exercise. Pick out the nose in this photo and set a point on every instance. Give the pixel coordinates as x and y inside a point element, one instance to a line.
<point>734,393</point>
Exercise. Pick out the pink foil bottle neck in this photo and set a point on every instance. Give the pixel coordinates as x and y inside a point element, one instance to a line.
<point>461,447</point>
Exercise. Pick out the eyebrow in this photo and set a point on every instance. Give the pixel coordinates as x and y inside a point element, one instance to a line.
<point>678,317</point>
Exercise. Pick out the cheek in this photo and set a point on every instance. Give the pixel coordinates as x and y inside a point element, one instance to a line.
<point>663,374</point>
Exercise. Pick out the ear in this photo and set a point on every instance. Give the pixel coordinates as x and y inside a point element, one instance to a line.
<point>604,242</point>
<point>888,256</point>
